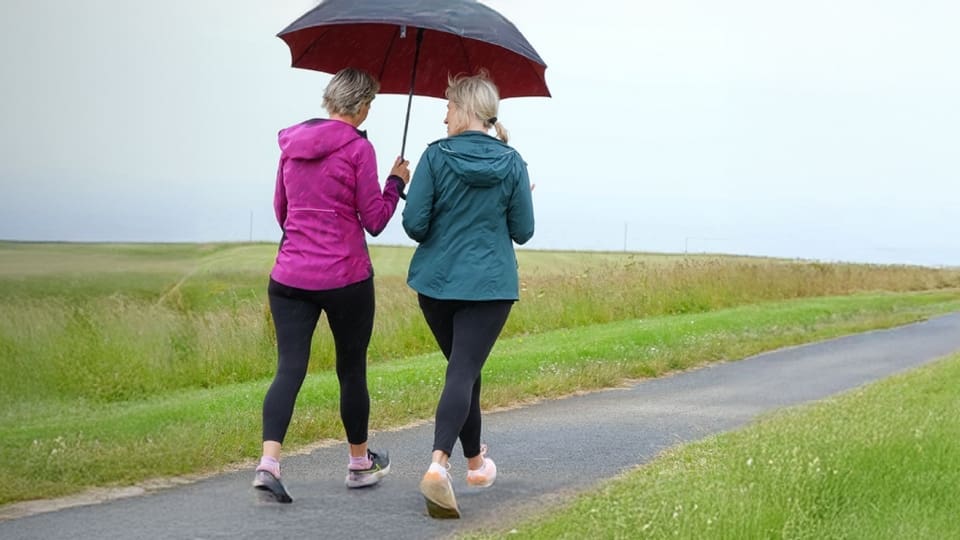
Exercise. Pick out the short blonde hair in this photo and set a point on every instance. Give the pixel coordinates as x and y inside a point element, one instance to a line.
<point>476,97</point>
<point>348,90</point>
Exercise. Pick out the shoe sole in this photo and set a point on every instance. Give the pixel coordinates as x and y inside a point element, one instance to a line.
<point>439,512</point>
<point>435,492</point>
<point>483,484</point>
<point>374,478</point>
<point>273,487</point>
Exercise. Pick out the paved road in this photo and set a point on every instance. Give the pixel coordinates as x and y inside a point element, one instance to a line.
<point>544,451</point>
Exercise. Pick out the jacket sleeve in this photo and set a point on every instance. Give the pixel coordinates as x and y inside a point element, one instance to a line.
<point>418,211</point>
<point>280,196</point>
<point>520,221</point>
<point>374,207</point>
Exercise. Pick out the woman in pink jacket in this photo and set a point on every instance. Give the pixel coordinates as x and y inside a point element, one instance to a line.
<point>327,195</point>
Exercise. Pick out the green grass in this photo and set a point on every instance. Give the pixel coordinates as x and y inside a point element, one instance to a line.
<point>60,447</point>
<point>123,362</point>
<point>115,322</point>
<point>878,462</point>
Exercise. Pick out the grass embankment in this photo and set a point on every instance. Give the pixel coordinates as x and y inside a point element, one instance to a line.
<point>878,462</point>
<point>119,363</point>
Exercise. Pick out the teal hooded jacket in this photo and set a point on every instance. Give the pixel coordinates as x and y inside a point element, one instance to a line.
<point>468,202</point>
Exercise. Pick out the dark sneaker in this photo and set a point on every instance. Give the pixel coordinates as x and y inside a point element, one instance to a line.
<point>438,493</point>
<point>267,482</point>
<point>380,466</point>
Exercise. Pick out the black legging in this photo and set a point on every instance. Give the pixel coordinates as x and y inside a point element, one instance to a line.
<point>295,314</point>
<point>466,332</point>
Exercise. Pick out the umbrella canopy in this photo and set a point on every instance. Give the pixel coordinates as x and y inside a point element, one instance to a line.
<point>413,46</point>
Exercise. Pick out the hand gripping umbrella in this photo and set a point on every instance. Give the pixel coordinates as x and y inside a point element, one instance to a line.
<point>412,46</point>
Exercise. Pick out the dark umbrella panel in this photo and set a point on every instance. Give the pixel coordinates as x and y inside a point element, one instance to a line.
<point>413,46</point>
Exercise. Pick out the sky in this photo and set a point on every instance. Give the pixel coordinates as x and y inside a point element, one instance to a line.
<point>821,130</point>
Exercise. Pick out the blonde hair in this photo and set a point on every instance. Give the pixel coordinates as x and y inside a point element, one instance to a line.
<point>476,97</point>
<point>348,90</point>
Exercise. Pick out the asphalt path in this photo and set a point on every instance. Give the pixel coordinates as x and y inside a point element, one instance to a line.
<point>545,452</point>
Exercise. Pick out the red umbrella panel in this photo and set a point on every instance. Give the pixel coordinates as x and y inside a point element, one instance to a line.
<point>388,52</point>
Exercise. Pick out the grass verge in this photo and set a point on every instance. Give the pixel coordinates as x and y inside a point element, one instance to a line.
<point>877,462</point>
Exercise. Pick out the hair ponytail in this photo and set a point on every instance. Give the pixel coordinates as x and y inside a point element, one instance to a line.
<point>502,133</point>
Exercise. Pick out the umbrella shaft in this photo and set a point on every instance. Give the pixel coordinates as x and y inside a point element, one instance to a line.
<point>413,81</point>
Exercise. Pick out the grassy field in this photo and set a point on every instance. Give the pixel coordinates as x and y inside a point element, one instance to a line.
<point>880,462</point>
<point>120,363</point>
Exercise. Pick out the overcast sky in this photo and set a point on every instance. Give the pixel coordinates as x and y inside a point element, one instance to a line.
<point>822,130</point>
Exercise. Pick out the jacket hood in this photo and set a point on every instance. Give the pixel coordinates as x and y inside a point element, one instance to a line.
<point>317,138</point>
<point>478,159</point>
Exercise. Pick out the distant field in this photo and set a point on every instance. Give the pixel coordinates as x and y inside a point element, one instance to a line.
<point>143,319</point>
<point>44,259</point>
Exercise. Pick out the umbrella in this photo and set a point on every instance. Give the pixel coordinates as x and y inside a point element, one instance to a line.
<point>412,46</point>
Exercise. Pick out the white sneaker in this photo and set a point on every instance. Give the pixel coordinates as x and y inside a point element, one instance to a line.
<point>485,475</point>
<point>438,493</point>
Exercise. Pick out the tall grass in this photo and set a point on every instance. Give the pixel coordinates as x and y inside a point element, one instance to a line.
<point>117,322</point>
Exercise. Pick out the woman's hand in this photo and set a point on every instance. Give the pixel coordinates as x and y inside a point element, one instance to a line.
<point>401,168</point>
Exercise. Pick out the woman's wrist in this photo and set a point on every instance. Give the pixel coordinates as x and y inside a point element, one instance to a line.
<point>401,185</point>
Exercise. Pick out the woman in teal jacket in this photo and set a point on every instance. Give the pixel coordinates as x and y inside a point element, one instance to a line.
<point>469,201</point>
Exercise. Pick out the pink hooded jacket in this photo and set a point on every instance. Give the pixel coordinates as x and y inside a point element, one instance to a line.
<point>327,194</point>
